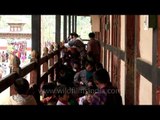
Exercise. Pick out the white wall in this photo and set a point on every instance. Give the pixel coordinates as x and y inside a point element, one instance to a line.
<point>123,32</point>
<point>4,96</point>
<point>145,40</point>
<point>122,64</point>
<point>145,96</point>
<point>122,81</point>
<point>145,92</point>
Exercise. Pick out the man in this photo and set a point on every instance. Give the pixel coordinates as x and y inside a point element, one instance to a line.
<point>76,43</point>
<point>106,94</point>
<point>21,86</point>
<point>93,47</point>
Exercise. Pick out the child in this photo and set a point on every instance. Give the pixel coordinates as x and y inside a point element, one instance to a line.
<point>62,95</point>
<point>48,97</point>
<point>87,98</point>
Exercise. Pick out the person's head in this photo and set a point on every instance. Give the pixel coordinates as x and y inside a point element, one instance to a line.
<point>89,97</point>
<point>76,66</point>
<point>21,85</point>
<point>45,50</point>
<point>89,66</point>
<point>51,48</point>
<point>75,35</point>
<point>101,78</point>
<point>91,35</point>
<point>48,89</point>
<point>89,94</point>
<point>98,66</point>
<point>70,36</point>
<point>91,83</point>
<point>61,93</point>
<point>62,70</point>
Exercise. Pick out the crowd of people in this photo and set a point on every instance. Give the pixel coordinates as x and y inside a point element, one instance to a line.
<point>4,58</point>
<point>80,79</point>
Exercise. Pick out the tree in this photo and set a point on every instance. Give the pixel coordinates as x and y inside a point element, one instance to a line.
<point>83,22</point>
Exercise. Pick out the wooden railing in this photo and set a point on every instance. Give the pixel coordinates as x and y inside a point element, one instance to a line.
<point>49,61</point>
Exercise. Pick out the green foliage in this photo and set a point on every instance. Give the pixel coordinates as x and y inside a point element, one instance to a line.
<point>83,26</point>
<point>48,27</point>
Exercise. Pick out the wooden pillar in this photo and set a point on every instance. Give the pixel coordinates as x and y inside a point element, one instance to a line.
<point>36,33</point>
<point>154,66</point>
<point>65,27</point>
<point>115,63</point>
<point>108,41</point>
<point>158,42</point>
<point>34,73</point>
<point>104,34</point>
<point>158,61</point>
<point>58,29</point>
<point>45,65</point>
<point>137,47</point>
<point>69,24</point>
<point>36,46</point>
<point>154,59</point>
<point>130,60</point>
<point>73,25</point>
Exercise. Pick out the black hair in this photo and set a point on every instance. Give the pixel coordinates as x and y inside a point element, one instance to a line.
<point>71,34</point>
<point>98,66</point>
<point>90,63</point>
<point>92,81</point>
<point>101,76</point>
<point>60,90</point>
<point>75,34</point>
<point>48,88</point>
<point>91,35</point>
<point>21,85</point>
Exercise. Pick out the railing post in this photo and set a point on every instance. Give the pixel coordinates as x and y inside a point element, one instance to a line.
<point>59,52</point>
<point>15,67</point>
<point>51,63</point>
<point>33,73</point>
<point>56,56</point>
<point>45,65</point>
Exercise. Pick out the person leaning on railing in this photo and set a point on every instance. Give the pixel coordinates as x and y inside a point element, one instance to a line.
<point>21,86</point>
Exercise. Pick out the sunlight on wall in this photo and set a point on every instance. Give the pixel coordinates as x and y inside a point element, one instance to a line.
<point>145,96</point>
